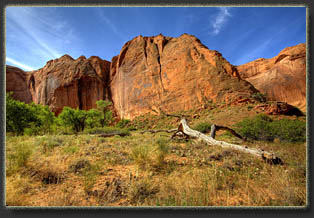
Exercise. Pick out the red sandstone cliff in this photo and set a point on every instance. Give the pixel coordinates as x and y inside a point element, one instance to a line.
<point>162,74</point>
<point>67,82</point>
<point>281,78</point>
<point>16,82</point>
<point>172,74</point>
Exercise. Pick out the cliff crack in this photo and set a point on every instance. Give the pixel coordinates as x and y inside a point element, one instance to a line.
<point>159,67</point>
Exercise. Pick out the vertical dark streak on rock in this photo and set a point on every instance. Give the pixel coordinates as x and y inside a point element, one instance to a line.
<point>123,53</point>
<point>79,94</point>
<point>46,92</point>
<point>159,73</point>
<point>145,53</point>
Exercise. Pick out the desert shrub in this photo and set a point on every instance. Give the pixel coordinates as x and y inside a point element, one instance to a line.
<point>19,157</point>
<point>106,114</point>
<point>45,118</point>
<point>264,128</point>
<point>122,123</point>
<point>141,190</point>
<point>18,115</point>
<point>48,143</point>
<point>203,127</point>
<point>141,155</point>
<point>259,97</point>
<point>90,175</point>
<point>74,118</point>
<point>71,149</point>
<point>257,128</point>
<point>289,130</point>
<point>31,119</point>
<point>32,130</point>
<point>93,118</point>
<point>162,150</point>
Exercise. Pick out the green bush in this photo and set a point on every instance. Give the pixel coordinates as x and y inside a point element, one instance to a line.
<point>103,108</point>
<point>32,118</point>
<point>74,118</point>
<point>257,128</point>
<point>122,123</point>
<point>32,130</point>
<point>259,97</point>
<point>93,118</point>
<point>264,128</point>
<point>289,130</point>
<point>203,127</point>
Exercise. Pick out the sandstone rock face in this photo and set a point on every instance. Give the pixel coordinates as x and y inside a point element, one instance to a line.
<point>278,108</point>
<point>172,74</point>
<point>67,82</point>
<point>16,82</point>
<point>281,78</point>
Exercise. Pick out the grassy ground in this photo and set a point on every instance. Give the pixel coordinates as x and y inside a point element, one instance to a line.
<point>152,170</point>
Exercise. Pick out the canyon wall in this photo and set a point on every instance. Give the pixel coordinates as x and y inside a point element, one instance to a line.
<point>172,74</point>
<point>16,82</point>
<point>281,78</point>
<point>159,73</point>
<point>67,82</point>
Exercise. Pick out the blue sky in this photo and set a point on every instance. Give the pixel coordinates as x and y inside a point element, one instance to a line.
<point>35,35</point>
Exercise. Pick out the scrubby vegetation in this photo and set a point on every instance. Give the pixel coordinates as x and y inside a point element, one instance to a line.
<point>262,127</point>
<point>69,165</point>
<point>203,127</point>
<point>29,118</point>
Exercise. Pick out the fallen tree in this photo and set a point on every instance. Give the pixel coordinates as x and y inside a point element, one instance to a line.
<point>186,131</point>
<point>159,130</point>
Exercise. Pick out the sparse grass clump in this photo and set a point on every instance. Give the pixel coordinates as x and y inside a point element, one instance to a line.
<point>162,151</point>
<point>90,173</point>
<point>141,155</point>
<point>48,143</point>
<point>141,190</point>
<point>71,149</point>
<point>19,157</point>
<point>108,129</point>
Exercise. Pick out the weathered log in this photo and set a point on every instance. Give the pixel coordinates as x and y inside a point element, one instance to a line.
<point>267,156</point>
<point>112,134</point>
<point>215,128</point>
<point>159,130</point>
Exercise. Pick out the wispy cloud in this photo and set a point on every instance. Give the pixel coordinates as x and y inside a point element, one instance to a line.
<point>21,65</point>
<point>278,34</point>
<point>36,34</point>
<point>220,19</point>
<point>254,53</point>
<point>112,26</point>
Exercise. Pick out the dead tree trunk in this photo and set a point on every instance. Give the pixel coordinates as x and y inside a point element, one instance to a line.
<point>159,130</point>
<point>186,130</point>
<point>215,128</point>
